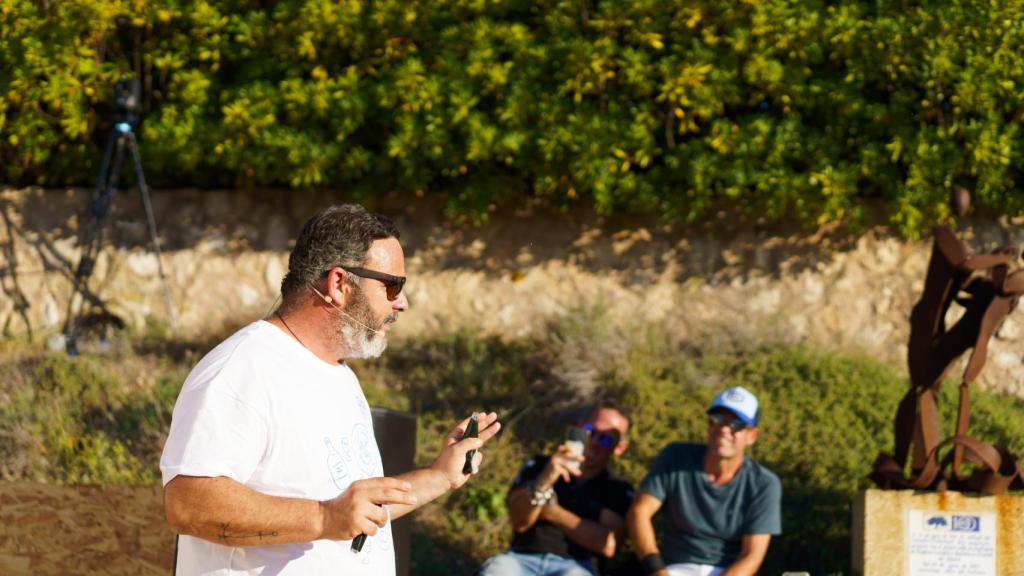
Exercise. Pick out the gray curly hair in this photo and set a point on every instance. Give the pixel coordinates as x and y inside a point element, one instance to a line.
<point>338,236</point>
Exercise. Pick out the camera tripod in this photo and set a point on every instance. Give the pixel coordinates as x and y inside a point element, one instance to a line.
<point>121,137</point>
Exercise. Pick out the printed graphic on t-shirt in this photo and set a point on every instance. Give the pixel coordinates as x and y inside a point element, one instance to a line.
<point>361,402</point>
<point>338,461</point>
<point>365,448</point>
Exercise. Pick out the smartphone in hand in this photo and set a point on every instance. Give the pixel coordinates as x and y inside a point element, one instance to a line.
<point>576,439</point>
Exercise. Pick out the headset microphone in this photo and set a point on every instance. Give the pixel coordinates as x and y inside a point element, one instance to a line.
<point>330,301</point>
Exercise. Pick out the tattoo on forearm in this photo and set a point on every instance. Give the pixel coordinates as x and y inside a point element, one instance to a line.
<point>225,534</point>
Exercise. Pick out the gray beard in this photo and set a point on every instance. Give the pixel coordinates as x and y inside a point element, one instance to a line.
<point>359,342</point>
<point>355,340</point>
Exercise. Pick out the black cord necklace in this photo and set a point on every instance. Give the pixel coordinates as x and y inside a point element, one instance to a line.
<point>290,331</point>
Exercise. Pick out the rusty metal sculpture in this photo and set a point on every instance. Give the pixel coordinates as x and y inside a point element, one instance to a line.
<point>984,286</point>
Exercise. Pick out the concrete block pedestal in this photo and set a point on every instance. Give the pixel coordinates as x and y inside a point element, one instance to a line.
<point>907,533</point>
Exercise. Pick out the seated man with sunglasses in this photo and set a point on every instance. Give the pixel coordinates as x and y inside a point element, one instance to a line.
<point>568,508</point>
<point>721,507</point>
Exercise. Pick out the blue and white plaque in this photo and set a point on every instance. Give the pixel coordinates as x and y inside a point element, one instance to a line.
<point>941,543</point>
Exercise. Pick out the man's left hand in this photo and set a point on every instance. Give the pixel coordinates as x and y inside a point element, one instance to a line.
<point>453,455</point>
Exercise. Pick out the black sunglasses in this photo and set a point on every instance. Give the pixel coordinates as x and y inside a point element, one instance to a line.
<point>718,419</point>
<point>604,439</point>
<point>392,284</point>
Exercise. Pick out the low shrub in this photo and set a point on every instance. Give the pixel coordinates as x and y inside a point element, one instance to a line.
<point>85,420</point>
<point>826,416</point>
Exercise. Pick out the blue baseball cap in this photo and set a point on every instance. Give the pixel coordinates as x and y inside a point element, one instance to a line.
<point>741,402</point>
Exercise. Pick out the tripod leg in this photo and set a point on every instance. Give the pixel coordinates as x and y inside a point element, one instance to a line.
<point>133,146</point>
<point>103,199</point>
<point>90,234</point>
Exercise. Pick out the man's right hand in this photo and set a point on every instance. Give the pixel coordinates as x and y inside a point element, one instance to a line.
<point>359,509</point>
<point>559,467</point>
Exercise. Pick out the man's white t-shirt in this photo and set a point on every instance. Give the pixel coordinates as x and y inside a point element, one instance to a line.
<point>263,410</point>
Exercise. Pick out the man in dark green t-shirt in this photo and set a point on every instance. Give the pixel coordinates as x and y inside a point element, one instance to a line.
<point>721,508</point>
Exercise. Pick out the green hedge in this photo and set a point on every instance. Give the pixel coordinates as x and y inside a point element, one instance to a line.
<point>804,108</point>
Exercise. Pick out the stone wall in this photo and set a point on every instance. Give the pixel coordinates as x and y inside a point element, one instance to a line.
<point>727,277</point>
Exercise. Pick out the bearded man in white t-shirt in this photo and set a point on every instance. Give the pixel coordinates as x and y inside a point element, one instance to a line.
<point>271,466</point>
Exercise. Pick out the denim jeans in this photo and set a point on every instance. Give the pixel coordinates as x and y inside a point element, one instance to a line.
<point>534,564</point>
